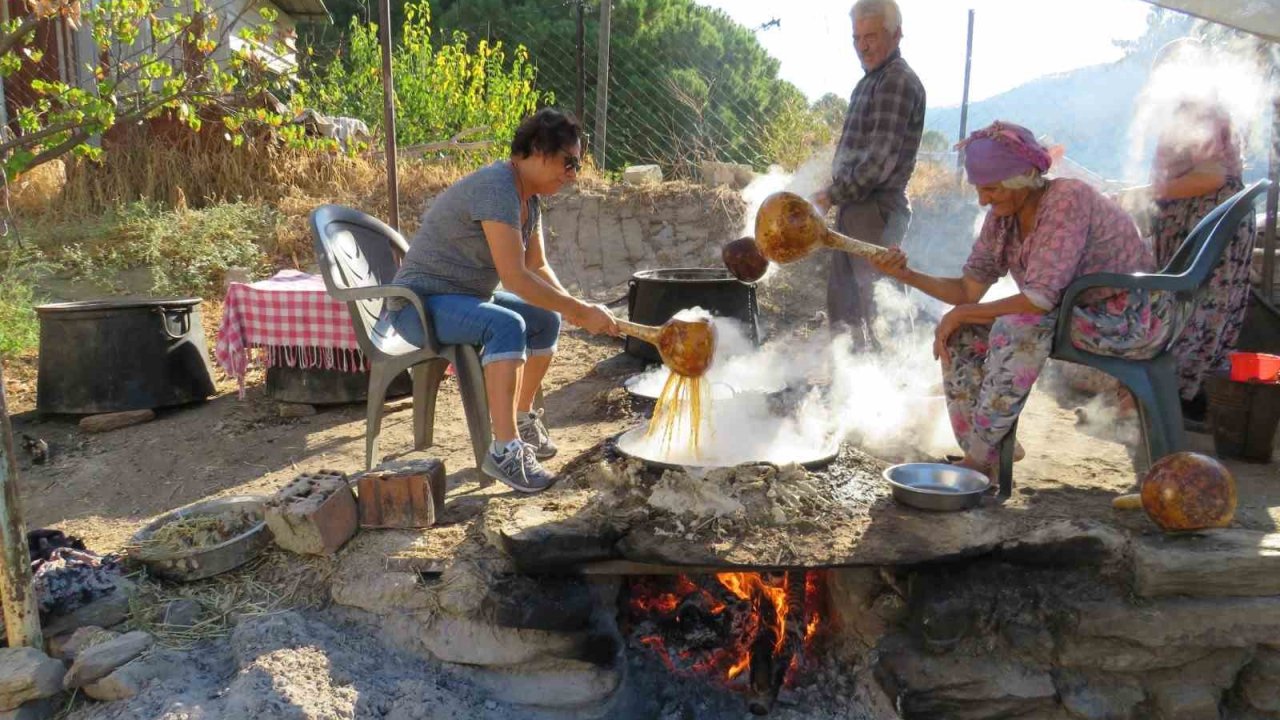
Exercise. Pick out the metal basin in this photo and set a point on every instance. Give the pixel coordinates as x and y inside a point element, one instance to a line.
<point>936,486</point>
<point>202,562</point>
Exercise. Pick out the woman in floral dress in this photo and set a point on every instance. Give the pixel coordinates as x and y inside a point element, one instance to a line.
<point>1045,233</point>
<point>1197,167</point>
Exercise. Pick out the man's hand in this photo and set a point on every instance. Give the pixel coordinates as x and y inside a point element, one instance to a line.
<point>892,262</point>
<point>595,319</point>
<point>822,199</point>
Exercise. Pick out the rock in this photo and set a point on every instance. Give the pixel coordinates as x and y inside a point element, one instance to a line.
<point>735,175</point>
<point>642,174</point>
<point>315,514</point>
<point>42,709</point>
<point>549,683</point>
<point>130,679</point>
<point>101,660</point>
<point>1099,696</point>
<point>104,612</point>
<point>963,688</point>
<point>67,647</point>
<point>1124,656</point>
<point>295,410</point>
<point>1260,681</point>
<point>1219,622</point>
<point>1066,543</point>
<point>543,534</point>
<point>472,642</point>
<point>1195,691</point>
<point>851,593</point>
<point>1217,563</point>
<point>27,674</point>
<point>181,613</point>
<point>114,421</point>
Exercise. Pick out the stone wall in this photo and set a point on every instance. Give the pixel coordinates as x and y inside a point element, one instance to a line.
<point>597,235</point>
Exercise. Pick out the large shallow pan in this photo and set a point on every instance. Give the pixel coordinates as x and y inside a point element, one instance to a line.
<point>632,444</point>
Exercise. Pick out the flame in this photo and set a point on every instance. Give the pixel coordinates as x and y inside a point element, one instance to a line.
<point>752,604</point>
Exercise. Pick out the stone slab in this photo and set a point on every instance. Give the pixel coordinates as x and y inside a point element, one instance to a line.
<point>1188,622</point>
<point>101,660</point>
<point>1217,563</point>
<point>27,674</point>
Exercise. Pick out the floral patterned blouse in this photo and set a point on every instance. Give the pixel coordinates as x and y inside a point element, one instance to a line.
<point>1078,231</point>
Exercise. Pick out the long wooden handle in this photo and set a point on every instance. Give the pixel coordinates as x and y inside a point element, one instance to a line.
<point>1127,502</point>
<point>850,245</point>
<point>647,333</point>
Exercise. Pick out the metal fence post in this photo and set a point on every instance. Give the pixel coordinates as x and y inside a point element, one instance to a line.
<point>602,84</point>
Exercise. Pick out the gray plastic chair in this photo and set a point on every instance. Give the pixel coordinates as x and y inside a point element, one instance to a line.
<point>358,256</point>
<point>1154,381</point>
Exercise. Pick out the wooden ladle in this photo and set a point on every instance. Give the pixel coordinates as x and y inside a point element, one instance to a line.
<point>788,228</point>
<point>686,346</point>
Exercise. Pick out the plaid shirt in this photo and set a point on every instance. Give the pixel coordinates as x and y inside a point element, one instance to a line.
<point>881,135</point>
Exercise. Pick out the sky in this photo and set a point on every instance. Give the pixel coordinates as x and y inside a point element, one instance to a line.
<point>1013,40</point>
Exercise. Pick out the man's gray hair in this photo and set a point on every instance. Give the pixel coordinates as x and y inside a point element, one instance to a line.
<point>887,9</point>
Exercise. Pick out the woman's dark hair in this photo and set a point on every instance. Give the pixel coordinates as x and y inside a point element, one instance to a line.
<point>547,131</point>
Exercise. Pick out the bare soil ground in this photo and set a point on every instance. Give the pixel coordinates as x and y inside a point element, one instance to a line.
<point>103,487</point>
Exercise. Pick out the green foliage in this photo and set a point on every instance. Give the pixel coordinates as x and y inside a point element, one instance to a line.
<point>934,141</point>
<point>19,329</point>
<point>796,133</point>
<point>687,82</point>
<point>187,251</point>
<point>831,109</point>
<point>168,69</point>
<point>442,85</point>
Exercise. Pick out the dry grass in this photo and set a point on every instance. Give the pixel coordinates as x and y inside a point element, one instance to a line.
<point>273,582</point>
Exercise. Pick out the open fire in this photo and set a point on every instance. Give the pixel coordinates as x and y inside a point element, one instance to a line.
<point>751,632</point>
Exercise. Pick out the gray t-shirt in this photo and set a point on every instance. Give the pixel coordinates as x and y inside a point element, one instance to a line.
<point>449,254</point>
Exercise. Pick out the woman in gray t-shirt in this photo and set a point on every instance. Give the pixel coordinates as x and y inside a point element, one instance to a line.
<point>485,229</point>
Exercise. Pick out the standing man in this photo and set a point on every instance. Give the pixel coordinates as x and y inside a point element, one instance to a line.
<point>873,163</point>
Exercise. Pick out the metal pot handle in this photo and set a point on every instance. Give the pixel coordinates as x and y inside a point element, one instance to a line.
<point>183,320</point>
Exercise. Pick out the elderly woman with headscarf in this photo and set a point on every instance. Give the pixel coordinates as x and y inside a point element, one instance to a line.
<point>1197,167</point>
<point>1045,233</point>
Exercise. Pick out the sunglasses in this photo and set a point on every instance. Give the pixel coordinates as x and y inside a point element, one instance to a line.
<point>572,162</point>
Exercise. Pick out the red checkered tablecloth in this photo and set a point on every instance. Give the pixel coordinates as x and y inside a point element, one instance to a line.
<point>290,317</point>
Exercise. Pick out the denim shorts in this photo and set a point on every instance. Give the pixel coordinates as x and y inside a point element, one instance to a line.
<point>506,327</point>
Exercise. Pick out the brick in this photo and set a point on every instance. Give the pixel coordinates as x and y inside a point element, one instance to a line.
<point>313,515</point>
<point>401,495</point>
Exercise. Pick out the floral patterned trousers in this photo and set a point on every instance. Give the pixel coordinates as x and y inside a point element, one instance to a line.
<point>1214,326</point>
<point>993,367</point>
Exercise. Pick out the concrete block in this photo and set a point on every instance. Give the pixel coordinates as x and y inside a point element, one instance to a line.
<point>314,515</point>
<point>642,174</point>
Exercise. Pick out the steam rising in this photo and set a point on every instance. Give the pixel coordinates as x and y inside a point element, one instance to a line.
<point>795,398</point>
<point>1188,73</point>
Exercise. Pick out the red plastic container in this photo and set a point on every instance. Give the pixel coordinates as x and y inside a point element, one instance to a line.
<point>1254,367</point>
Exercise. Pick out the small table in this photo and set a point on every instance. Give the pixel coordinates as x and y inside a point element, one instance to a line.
<point>297,324</point>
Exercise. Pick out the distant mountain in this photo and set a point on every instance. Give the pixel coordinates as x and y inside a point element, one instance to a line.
<point>1089,111</point>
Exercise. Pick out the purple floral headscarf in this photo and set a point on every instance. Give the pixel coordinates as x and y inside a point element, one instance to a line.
<point>1000,151</point>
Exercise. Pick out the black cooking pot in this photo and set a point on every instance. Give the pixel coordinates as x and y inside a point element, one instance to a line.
<point>113,355</point>
<point>654,296</point>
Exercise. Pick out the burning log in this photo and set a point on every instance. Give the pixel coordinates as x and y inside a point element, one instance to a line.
<point>772,657</point>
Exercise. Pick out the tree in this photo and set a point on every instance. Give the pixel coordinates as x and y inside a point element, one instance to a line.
<point>443,85</point>
<point>831,108</point>
<point>934,141</point>
<point>155,56</point>
<point>687,82</point>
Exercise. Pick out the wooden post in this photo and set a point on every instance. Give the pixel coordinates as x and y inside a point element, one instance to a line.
<point>964,101</point>
<point>17,593</point>
<point>389,110</point>
<point>580,106</point>
<point>602,83</point>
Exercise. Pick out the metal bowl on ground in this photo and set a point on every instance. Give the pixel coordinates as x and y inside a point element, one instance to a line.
<point>201,562</point>
<point>936,486</point>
